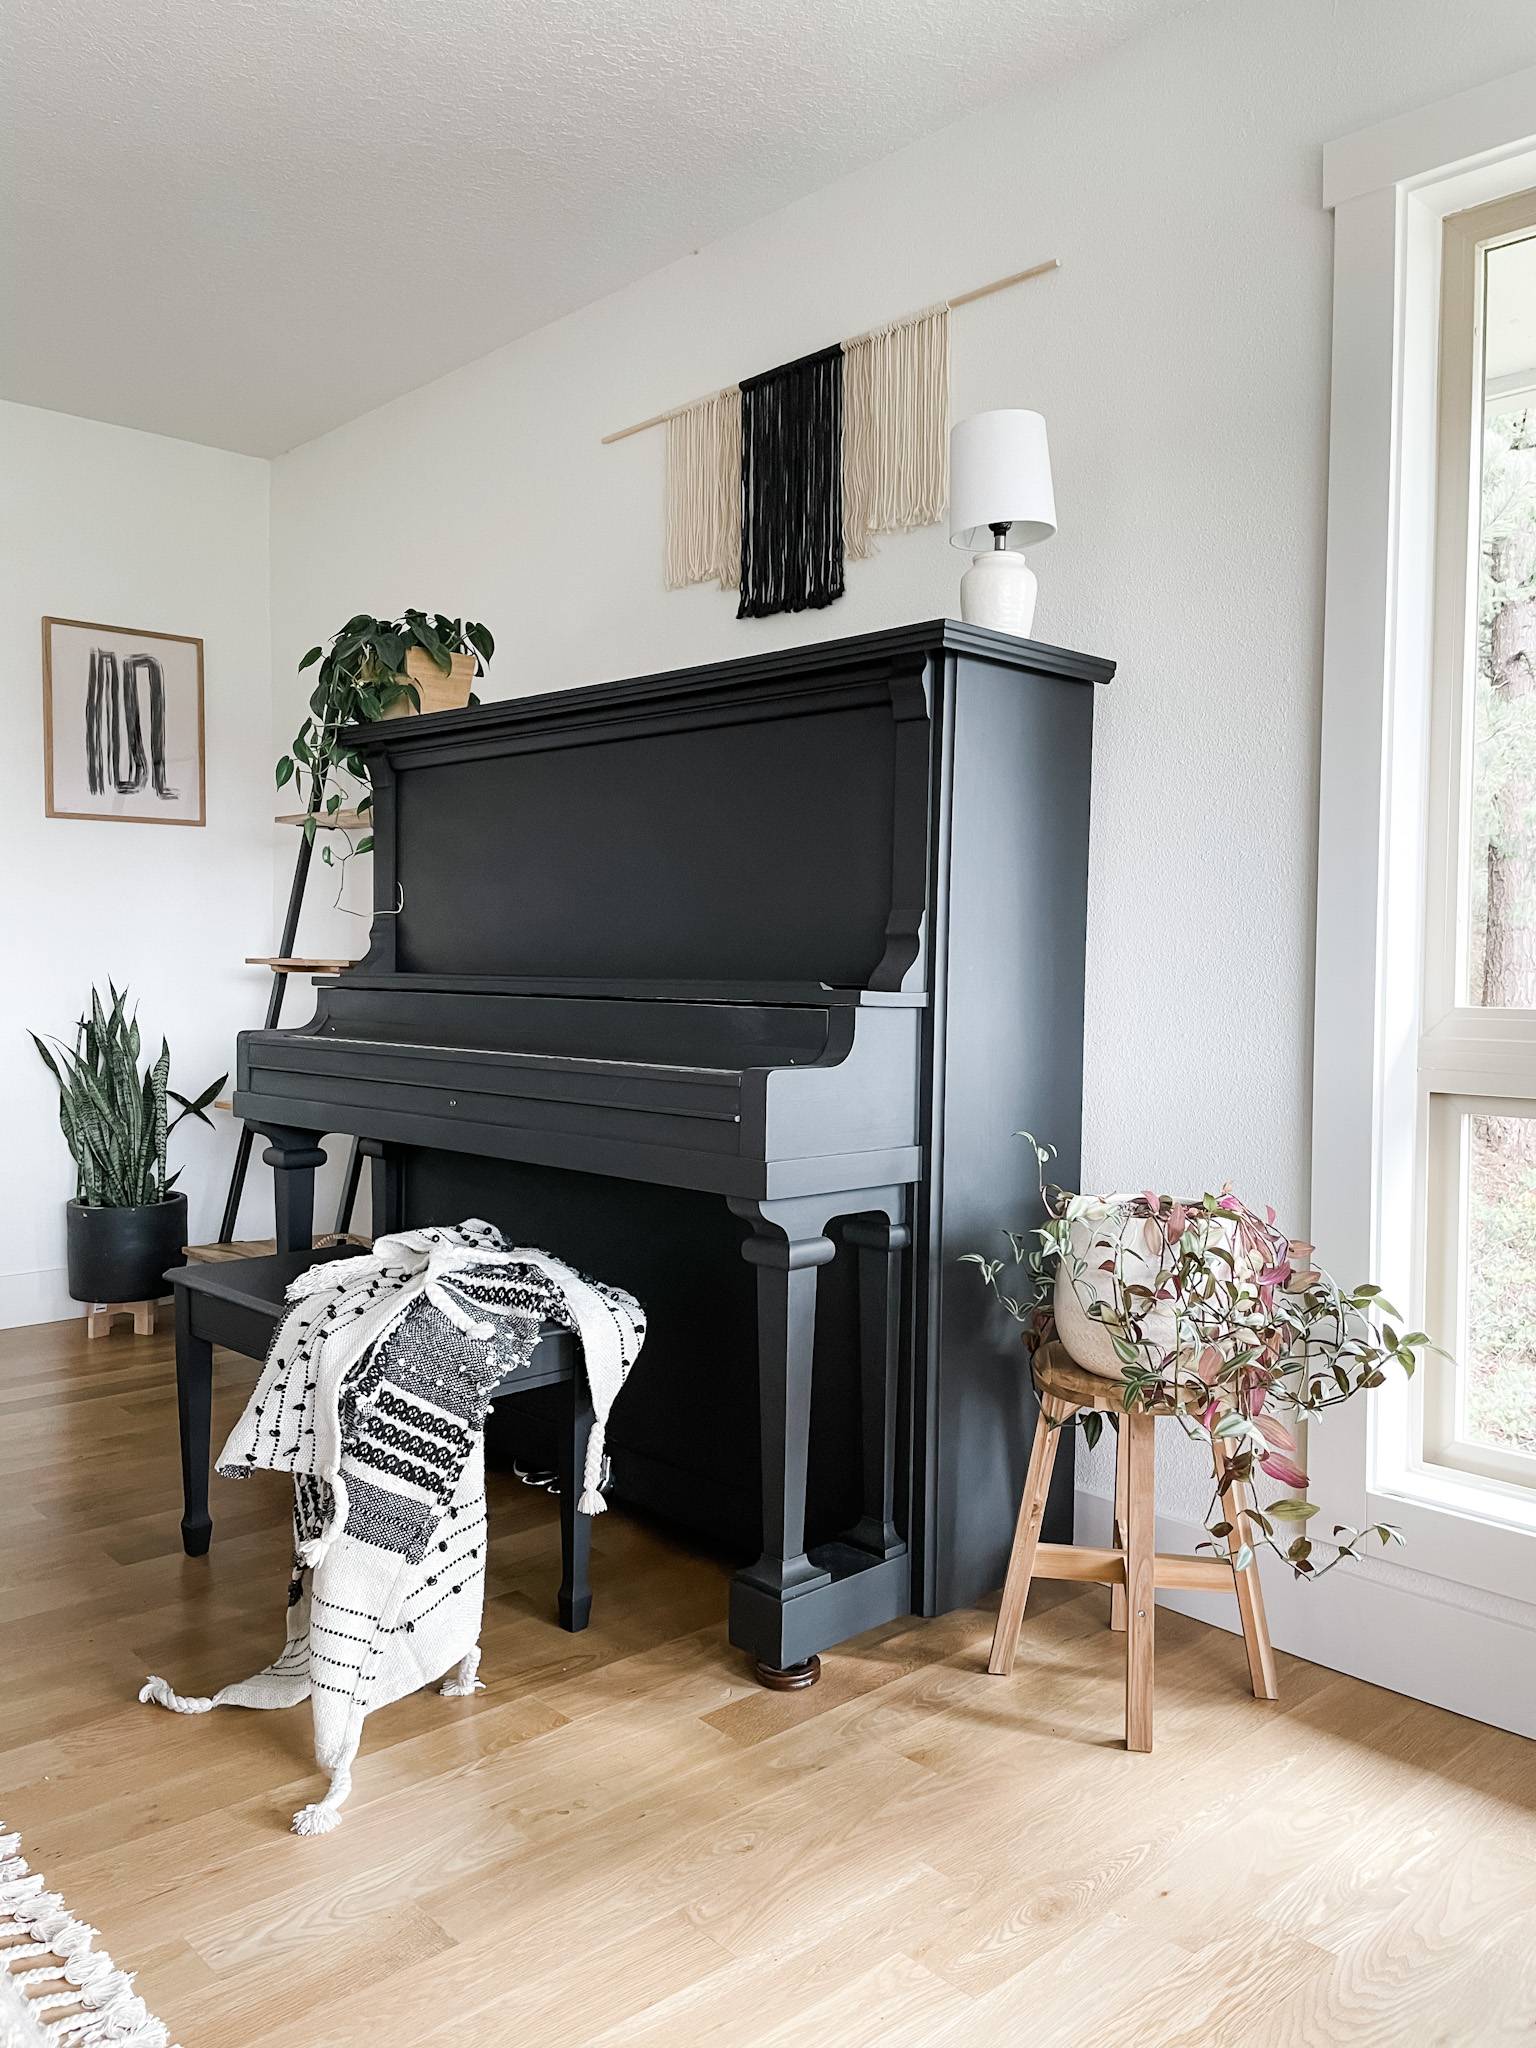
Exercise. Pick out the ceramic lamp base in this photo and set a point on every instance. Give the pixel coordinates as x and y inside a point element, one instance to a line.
<point>998,590</point>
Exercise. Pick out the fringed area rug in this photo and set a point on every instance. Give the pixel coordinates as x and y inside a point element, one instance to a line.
<point>55,1986</point>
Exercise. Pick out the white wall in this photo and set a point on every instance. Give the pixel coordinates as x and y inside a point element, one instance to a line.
<point>1181,358</point>
<point>102,523</point>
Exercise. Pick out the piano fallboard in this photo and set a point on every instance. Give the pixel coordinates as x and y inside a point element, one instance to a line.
<point>755,1100</point>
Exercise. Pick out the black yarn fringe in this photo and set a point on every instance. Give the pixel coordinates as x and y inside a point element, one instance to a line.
<point>792,487</point>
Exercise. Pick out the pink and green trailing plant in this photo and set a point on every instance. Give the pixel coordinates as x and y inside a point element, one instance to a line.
<point>1221,1301</point>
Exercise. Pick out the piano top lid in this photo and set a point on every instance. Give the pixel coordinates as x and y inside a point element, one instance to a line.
<point>841,659</point>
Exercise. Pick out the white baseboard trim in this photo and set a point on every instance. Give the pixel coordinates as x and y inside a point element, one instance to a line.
<point>40,1297</point>
<point>1422,1638</point>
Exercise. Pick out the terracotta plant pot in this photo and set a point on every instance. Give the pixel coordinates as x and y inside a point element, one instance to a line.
<point>438,692</point>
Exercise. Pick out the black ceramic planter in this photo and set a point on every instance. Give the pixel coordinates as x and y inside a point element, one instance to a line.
<point>123,1254</point>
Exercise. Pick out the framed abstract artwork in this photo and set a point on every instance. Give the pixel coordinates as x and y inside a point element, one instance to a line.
<point>122,724</point>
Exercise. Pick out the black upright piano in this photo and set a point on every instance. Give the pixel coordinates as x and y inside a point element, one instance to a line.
<point>730,985</point>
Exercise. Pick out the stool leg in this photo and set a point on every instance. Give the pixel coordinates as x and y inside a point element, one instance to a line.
<point>1117,1540</point>
<point>575,1601</point>
<point>1140,1574</point>
<point>1250,1594</point>
<point>1026,1536</point>
<point>194,1404</point>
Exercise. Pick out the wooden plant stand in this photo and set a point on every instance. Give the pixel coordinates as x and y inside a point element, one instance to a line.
<point>98,1319</point>
<point>282,965</point>
<point>1134,1568</point>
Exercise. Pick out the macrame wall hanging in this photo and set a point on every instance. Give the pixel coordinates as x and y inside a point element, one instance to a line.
<point>704,492</point>
<point>895,429</point>
<point>773,483</point>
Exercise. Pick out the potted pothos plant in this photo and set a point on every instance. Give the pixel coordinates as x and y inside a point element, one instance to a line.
<point>375,668</point>
<point>1166,1293</point>
<point>127,1223</point>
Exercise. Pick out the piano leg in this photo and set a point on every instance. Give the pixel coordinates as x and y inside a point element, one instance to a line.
<point>881,1242</point>
<point>293,1157</point>
<point>787,1244</point>
<point>386,1186</point>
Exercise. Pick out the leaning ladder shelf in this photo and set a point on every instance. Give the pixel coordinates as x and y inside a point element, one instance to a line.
<point>283,963</point>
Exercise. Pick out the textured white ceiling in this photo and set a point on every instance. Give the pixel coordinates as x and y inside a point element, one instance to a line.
<point>244,221</point>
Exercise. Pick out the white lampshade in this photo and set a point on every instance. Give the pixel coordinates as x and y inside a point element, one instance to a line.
<point>1000,471</point>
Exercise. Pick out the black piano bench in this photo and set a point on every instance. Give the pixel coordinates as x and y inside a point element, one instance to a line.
<point>239,1303</point>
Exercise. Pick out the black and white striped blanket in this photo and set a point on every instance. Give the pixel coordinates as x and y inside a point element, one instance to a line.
<point>374,1397</point>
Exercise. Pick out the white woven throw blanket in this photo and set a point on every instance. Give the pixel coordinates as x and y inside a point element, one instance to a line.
<point>374,1397</point>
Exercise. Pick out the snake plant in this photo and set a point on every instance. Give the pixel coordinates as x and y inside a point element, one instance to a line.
<point>115,1120</point>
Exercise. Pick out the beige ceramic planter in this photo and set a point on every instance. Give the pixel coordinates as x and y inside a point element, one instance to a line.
<point>438,692</point>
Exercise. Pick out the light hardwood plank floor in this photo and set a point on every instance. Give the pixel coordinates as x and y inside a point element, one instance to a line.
<point>625,1842</point>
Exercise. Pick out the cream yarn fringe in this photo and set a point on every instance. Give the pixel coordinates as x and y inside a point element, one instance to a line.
<point>704,492</point>
<point>73,1995</point>
<point>895,428</point>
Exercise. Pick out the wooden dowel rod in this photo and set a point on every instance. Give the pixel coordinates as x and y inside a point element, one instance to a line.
<point>659,419</point>
<point>982,291</point>
<point>1001,284</point>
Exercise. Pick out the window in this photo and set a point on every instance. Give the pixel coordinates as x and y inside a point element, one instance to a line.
<point>1476,1414</point>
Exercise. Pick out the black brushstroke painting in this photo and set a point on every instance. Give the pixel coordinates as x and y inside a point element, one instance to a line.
<point>114,726</point>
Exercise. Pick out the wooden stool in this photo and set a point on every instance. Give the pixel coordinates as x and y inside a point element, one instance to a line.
<point>1134,1569</point>
<point>98,1319</point>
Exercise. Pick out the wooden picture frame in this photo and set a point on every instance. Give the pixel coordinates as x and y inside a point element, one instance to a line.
<point>114,752</point>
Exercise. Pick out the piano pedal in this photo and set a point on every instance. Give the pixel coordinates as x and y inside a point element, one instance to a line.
<point>533,1475</point>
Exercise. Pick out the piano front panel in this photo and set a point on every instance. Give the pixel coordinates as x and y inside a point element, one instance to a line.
<point>755,849</point>
<point>684,1434</point>
<point>481,1095</point>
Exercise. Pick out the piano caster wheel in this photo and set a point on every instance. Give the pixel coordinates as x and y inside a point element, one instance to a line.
<point>791,1678</point>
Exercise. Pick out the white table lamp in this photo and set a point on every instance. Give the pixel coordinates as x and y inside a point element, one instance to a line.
<point>1000,500</point>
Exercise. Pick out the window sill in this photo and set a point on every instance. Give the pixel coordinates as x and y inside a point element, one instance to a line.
<point>1457,1526</point>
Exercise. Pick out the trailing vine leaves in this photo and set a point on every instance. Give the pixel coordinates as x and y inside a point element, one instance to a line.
<point>117,1122</point>
<point>1221,1302</point>
<point>359,678</point>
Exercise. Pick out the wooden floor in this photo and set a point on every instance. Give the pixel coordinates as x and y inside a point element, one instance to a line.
<point>625,1842</point>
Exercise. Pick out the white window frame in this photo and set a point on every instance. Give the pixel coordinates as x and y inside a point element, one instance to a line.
<point>1435,1410</point>
<point>1460,1038</point>
<point>1378,1046</point>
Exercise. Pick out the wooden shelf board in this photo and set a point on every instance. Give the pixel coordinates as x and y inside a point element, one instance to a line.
<point>261,1247</point>
<point>337,821</point>
<point>279,965</point>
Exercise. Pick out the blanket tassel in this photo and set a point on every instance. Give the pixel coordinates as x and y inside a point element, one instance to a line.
<point>322,1816</point>
<point>312,1551</point>
<point>591,1501</point>
<point>157,1690</point>
<point>464,1682</point>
